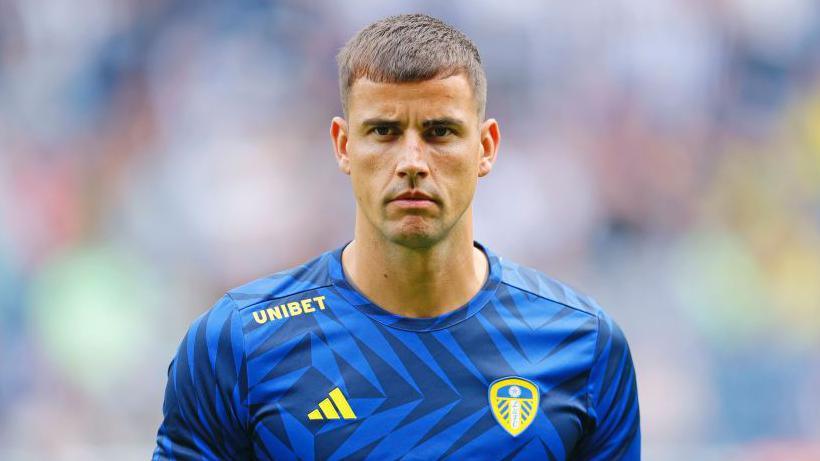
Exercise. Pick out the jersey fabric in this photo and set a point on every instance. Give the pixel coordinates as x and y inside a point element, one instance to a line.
<point>300,365</point>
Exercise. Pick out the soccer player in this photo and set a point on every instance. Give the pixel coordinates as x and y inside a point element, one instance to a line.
<point>412,341</point>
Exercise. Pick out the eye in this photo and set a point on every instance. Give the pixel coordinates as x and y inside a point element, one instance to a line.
<point>382,130</point>
<point>440,131</point>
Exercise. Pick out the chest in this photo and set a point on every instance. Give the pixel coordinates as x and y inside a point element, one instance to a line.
<point>470,392</point>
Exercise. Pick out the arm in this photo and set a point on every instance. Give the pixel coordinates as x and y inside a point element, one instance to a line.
<point>205,412</point>
<point>613,400</point>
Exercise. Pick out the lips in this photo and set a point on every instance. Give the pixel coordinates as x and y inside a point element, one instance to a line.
<point>414,195</point>
<point>413,200</point>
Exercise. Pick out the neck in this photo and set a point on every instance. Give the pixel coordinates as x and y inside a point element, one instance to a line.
<point>416,282</point>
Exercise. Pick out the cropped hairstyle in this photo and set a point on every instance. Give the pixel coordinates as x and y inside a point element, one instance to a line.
<point>410,48</point>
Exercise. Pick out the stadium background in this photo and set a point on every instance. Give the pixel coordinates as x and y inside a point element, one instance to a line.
<point>661,155</point>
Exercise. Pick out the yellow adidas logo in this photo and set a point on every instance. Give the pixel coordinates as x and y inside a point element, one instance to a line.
<point>326,409</point>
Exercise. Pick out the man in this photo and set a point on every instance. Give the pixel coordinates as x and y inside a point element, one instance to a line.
<point>412,341</point>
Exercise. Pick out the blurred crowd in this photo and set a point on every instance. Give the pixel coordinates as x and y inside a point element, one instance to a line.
<point>662,156</point>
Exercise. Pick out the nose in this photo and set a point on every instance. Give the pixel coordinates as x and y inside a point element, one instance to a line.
<point>412,162</point>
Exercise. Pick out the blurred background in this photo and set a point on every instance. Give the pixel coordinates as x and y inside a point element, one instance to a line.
<point>661,155</point>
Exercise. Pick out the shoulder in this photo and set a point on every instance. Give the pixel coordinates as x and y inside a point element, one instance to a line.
<point>311,275</point>
<point>557,298</point>
<point>536,283</point>
<point>223,326</point>
<point>606,346</point>
<point>227,311</point>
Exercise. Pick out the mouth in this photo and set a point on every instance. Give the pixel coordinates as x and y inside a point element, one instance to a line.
<point>413,199</point>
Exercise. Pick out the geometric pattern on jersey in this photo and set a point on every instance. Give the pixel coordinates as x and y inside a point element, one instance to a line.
<point>268,354</point>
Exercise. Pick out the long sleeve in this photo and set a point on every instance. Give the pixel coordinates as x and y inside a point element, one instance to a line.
<point>205,408</point>
<point>615,433</point>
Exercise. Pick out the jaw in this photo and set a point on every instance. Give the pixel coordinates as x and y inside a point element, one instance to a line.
<point>413,230</point>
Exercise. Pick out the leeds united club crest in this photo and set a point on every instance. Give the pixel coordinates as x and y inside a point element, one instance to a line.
<point>514,402</point>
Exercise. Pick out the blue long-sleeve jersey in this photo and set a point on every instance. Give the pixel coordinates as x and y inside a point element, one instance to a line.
<point>300,365</point>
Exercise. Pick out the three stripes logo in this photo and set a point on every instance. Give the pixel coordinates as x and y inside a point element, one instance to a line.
<point>334,406</point>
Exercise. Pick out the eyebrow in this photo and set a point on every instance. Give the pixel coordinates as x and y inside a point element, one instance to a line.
<point>443,121</point>
<point>380,122</point>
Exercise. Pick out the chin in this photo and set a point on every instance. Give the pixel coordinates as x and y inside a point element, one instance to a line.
<point>414,236</point>
<point>415,242</point>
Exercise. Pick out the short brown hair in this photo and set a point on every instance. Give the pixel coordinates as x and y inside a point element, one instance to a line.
<point>410,48</point>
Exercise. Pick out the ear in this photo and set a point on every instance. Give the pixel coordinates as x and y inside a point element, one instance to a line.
<point>338,135</point>
<point>490,137</point>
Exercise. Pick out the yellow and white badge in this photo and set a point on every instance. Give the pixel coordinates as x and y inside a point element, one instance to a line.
<point>514,401</point>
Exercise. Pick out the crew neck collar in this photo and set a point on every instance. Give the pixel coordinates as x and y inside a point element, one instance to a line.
<point>368,307</point>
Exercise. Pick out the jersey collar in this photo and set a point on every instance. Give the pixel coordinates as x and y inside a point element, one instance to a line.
<point>381,315</point>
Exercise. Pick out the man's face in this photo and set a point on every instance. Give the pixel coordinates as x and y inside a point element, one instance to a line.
<point>414,152</point>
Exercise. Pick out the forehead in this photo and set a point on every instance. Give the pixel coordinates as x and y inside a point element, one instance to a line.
<point>450,96</point>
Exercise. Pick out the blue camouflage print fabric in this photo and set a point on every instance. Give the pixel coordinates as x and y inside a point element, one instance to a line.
<point>300,365</point>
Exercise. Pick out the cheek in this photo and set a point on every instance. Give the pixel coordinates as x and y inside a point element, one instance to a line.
<point>462,157</point>
<point>459,160</point>
<point>369,170</point>
<point>458,176</point>
<point>367,156</point>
